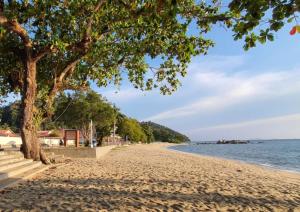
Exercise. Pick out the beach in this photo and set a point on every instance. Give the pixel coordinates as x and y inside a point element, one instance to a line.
<point>149,177</point>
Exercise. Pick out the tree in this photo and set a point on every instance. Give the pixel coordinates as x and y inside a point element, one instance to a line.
<point>148,132</point>
<point>106,124</point>
<point>10,116</point>
<point>49,46</point>
<point>77,110</point>
<point>131,129</point>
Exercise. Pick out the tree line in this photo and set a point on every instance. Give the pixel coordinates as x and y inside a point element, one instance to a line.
<point>75,110</point>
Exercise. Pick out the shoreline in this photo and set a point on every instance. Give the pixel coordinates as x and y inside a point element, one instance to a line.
<point>269,166</point>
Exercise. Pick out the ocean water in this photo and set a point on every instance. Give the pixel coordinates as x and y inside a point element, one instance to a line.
<point>279,154</point>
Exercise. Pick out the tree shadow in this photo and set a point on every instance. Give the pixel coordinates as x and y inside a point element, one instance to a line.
<point>121,194</point>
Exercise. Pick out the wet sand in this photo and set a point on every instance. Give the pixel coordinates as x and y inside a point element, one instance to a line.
<point>152,178</point>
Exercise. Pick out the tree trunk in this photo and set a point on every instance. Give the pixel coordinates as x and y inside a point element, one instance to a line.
<point>30,143</point>
<point>85,134</point>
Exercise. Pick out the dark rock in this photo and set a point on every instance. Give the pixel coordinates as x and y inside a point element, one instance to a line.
<point>232,142</point>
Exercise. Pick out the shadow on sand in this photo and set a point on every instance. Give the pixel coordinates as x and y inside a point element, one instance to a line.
<point>112,194</point>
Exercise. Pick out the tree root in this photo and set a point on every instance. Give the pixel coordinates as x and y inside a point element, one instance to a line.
<point>44,158</point>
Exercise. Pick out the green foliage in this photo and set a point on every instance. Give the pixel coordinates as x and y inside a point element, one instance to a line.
<point>148,132</point>
<point>77,110</point>
<point>131,130</point>
<point>103,41</point>
<point>74,111</point>
<point>256,21</point>
<point>164,134</point>
<point>10,116</point>
<point>5,127</point>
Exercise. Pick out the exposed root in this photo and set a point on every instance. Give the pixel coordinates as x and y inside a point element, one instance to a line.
<point>44,158</point>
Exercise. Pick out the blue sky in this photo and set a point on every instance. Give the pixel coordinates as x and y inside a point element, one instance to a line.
<point>229,94</point>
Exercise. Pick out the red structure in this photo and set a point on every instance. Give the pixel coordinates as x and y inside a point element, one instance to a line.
<point>44,133</point>
<point>7,133</point>
<point>72,135</point>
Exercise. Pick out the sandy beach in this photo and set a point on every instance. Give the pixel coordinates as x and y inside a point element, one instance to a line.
<point>152,178</point>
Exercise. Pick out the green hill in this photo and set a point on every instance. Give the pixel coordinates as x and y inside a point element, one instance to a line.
<point>165,134</point>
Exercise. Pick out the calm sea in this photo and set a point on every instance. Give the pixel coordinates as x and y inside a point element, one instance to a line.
<point>280,154</point>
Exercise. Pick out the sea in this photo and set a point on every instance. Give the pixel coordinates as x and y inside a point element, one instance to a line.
<point>278,154</point>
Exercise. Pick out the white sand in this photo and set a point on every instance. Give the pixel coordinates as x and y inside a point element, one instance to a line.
<point>151,178</point>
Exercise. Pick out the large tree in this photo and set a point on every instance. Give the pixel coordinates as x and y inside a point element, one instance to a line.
<point>49,46</point>
<point>77,110</point>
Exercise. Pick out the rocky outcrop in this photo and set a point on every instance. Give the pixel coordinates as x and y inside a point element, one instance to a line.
<point>232,142</point>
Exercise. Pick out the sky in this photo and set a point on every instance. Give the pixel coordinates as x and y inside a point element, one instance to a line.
<point>229,93</point>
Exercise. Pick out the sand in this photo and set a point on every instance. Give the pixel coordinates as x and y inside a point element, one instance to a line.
<point>152,178</point>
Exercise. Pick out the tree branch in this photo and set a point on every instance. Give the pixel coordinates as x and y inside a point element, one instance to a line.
<point>58,84</point>
<point>90,20</point>
<point>69,69</point>
<point>43,52</point>
<point>15,27</point>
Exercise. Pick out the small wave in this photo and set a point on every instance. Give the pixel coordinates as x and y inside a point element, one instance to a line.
<point>268,165</point>
<point>281,168</point>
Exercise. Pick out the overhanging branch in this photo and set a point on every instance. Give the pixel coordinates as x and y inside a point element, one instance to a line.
<point>15,27</point>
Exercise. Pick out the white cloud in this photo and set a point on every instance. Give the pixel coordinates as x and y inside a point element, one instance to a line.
<point>217,62</point>
<point>267,128</point>
<point>229,89</point>
<point>123,95</point>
